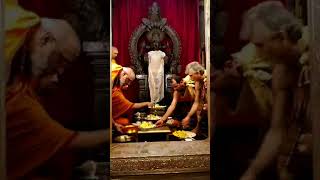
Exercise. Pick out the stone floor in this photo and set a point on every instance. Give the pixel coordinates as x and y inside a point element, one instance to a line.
<point>187,176</point>
<point>171,148</point>
<point>153,158</point>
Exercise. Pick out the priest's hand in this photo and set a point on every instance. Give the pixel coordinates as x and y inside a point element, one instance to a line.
<point>150,104</point>
<point>195,130</point>
<point>205,107</point>
<point>119,127</point>
<point>186,122</point>
<point>160,123</point>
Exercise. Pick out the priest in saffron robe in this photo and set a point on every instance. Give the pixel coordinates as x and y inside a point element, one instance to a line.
<point>122,108</point>
<point>36,51</point>
<point>115,67</point>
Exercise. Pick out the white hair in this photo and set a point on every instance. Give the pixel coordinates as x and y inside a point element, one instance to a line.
<point>269,17</point>
<point>194,67</point>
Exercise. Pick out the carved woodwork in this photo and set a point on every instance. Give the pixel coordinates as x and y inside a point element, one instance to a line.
<point>99,52</point>
<point>143,87</point>
<point>167,81</point>
<point>89,19</point>
<point>154,34</point>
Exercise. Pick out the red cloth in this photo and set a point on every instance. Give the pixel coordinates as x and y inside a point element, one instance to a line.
<point>46,8</point>
<point>182,16</point>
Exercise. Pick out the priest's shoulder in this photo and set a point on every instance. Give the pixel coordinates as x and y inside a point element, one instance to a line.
<point>22,102</point>
<point>116,90</point>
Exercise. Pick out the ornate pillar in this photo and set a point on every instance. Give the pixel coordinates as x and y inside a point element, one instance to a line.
<point>207,53</point>
<point>313,21</point>
<point>99,52</point>
<point>201,22</point>
<point>2,98</point>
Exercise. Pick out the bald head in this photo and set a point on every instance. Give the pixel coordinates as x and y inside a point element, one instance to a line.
<point>130,73</point>
<point>114,52</point>
<point>126,77</point>
<point>66,38</point>
<point>53,45</point>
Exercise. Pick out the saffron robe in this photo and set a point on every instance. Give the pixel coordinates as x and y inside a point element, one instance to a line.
<point>121,107</point>
<point>33,137</point>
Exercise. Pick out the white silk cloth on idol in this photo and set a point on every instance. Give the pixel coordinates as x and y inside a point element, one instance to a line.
<point>156,75</point>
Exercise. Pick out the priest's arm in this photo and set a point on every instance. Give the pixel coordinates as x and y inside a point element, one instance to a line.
<point>273,139</point>
<point>194,108</point>
<point>170,109</point>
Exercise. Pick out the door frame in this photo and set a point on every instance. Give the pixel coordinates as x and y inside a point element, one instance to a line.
<point>313,15</point>
<point>2,98</point>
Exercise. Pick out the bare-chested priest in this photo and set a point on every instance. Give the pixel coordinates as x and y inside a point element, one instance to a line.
<point>272,27</point>
<point>273,69</point>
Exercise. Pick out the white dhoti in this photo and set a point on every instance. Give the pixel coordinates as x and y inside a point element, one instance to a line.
<point>156,75</point>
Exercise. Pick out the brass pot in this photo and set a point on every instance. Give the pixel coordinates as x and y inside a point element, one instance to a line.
<point>124,138</point>
<point>130,129</point>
